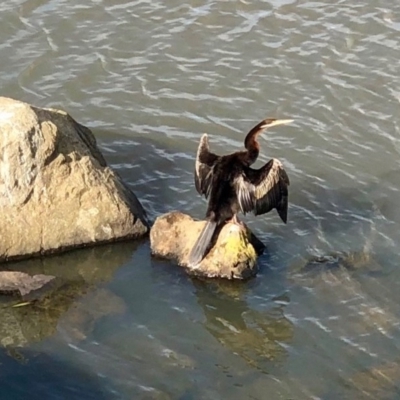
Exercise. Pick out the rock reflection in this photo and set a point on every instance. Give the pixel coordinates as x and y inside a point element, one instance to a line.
<point>78,272</point>
<point>257,337</point>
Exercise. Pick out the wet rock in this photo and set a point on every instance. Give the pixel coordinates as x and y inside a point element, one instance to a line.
<point>71,303</point>
<point>20,326</point>
<point>61,310</point>
<point>351,261</point>
<point>22,284</point>
<point>79,321</point>
<point>232,256</point>
<point>56,190</point>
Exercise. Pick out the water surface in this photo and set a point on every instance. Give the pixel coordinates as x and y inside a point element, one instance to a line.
<point>149,78</point>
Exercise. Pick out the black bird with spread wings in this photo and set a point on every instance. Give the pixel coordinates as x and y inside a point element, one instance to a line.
<point>230,185</point>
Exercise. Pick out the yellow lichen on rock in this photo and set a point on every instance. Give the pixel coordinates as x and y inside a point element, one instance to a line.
<point>241,244</point>
<point>233,253</point>
<point>234,246</point>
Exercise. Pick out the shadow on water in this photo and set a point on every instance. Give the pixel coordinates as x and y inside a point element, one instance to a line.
<point>257,337</point>
<point>78,273</point>
<point>94,264</point>
<point>37,376</point>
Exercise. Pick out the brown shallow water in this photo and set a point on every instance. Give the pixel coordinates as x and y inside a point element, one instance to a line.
<point>149,78</point>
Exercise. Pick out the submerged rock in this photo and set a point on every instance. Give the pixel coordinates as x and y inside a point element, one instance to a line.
<point>80,320</point>
<point>70,304</point>
<point>232,256</point>
<point>20,326</point>
<point>56,190</point>
<point>22,284</point>
<point>349,262</point>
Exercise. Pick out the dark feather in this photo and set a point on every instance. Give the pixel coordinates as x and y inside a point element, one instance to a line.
<point>200,247</point>
<point>205,162</point>
<point>264,189</point>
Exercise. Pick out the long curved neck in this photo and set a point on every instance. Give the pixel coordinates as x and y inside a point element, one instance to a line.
<point>251,144</point>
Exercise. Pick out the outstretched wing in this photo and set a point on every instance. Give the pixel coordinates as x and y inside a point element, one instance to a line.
<point>205,161</point>
<point>264,189</point>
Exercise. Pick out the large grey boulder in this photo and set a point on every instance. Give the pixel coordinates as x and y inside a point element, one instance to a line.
<point>56,190</point>
<point>233,253</point>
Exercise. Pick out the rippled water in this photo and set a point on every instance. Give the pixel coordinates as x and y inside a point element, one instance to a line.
<point>149,78</point>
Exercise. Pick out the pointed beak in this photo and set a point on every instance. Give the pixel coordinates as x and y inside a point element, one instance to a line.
<point>280,122</point>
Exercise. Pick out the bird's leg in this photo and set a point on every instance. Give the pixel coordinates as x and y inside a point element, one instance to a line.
<point>238,221</point>
<point>235,220</point>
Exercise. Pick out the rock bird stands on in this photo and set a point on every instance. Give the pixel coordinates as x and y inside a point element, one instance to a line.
<point>230,185</point>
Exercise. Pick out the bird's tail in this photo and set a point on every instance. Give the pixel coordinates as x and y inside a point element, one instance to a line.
<point>202,242</point>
